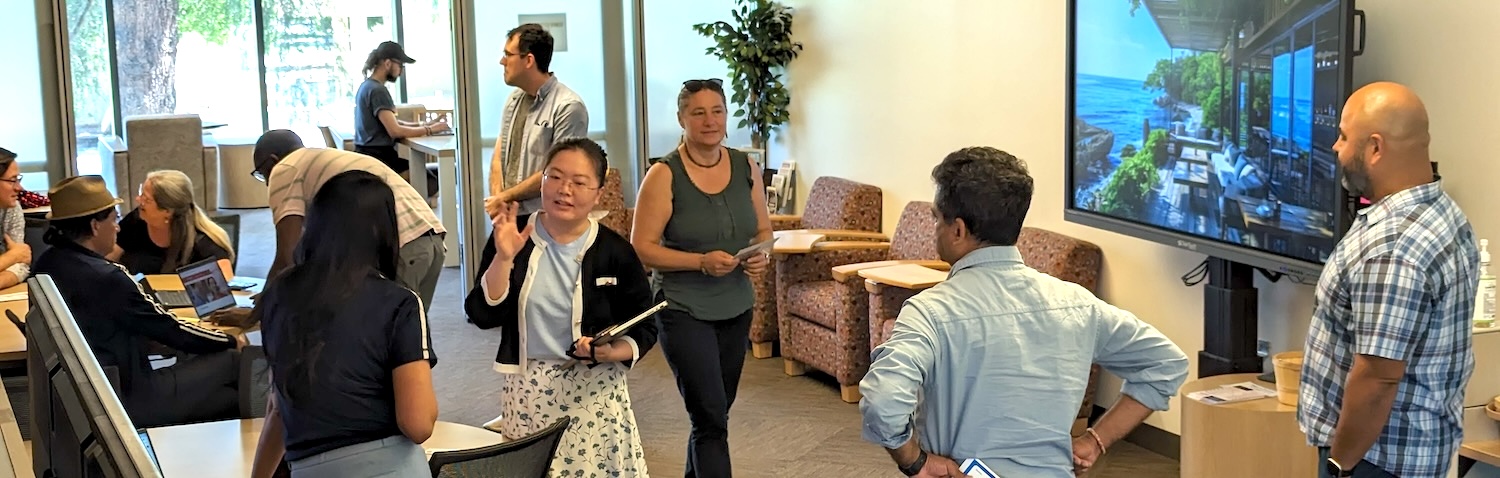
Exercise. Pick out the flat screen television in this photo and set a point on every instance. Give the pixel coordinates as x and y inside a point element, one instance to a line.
<point>1209,125</point>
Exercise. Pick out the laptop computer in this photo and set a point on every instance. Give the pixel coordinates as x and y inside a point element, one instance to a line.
<point>205,289</point>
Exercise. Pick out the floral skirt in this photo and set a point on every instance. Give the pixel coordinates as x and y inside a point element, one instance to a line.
<point>601,441</point>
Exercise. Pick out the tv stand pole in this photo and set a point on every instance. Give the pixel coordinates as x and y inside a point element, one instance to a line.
<point>1230,306</point>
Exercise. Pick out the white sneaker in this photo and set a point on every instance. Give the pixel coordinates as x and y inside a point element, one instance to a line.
<point>494,425</point>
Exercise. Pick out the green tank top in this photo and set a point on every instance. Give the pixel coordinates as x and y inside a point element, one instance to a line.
<point>701,223</point>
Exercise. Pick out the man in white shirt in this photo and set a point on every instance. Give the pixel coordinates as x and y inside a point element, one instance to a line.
<point>295,173</point>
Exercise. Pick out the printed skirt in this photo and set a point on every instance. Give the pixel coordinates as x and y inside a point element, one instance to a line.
<point>601,441</point>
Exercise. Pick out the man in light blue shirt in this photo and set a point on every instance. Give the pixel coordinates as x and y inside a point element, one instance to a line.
<point>992,364</point>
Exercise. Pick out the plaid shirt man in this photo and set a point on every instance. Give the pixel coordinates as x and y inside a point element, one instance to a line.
<point>1400,286</point>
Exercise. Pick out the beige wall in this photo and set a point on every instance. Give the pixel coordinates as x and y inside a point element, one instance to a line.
<point>885,88</point>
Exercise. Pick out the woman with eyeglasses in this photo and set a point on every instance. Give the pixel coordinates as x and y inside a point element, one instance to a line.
<point>167,229</point>
<point>696,208</point>
<point>15,255</point>
<point>551,287</point>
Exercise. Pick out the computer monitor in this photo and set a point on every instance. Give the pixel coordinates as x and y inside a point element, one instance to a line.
<point>78,425</point>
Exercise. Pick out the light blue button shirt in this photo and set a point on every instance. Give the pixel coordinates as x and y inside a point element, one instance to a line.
<point>993,364</point>
<point>549,306</point>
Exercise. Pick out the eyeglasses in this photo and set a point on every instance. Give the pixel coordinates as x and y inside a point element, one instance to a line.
<point>694,86</point>
<point>258,176</point>
<point>578,183</point>
<point>16,181</point>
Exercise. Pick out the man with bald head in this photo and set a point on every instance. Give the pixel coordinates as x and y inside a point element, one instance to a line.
<point>1388,354</point>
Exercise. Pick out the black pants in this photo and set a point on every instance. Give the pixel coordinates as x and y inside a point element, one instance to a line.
<point>1363,469</point>
<point>706,357</point>
<point>388,156</point>
<point>198,388</point>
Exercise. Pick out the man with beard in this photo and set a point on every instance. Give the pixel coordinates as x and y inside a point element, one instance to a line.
<point>1388,354</point>
<point>376,128</point>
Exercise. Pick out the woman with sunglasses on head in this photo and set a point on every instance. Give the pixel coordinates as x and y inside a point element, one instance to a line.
<point>551,287</point>
<point>697,207</point>
<point>15,255</point>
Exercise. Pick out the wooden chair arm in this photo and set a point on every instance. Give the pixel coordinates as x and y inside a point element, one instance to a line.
<point>849,270</point>
<point>842,234</point>
<point>906,276</point>
<point>849,246</point>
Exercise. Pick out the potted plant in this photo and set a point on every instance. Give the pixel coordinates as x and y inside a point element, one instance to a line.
<point>757,47</point>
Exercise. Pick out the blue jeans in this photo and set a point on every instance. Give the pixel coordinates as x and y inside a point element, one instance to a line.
<point>1363,469</point>
<point>392,457</point>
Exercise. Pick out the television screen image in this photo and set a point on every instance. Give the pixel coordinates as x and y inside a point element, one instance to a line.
<point>1211,122</point>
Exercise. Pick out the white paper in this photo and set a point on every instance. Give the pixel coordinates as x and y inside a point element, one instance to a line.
<point>1237,392</point>
<point>753,249</point>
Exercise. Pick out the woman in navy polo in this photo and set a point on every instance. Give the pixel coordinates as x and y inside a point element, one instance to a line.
<point>351,357</point>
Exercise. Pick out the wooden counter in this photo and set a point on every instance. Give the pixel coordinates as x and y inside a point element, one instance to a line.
<point>1256,438</point>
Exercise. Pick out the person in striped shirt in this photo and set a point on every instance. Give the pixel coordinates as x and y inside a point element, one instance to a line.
<point>295,173</point>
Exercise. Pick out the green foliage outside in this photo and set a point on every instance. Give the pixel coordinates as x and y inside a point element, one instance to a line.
<point>1195,79</point>
<point>1137,175</point>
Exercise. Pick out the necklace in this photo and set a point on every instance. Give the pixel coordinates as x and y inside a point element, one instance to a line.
<point>701,165</point>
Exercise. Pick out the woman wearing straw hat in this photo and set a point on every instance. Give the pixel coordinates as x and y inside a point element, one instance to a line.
<point>120,321</point>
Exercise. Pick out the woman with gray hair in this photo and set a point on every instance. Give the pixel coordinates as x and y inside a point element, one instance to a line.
<point>167,230</point>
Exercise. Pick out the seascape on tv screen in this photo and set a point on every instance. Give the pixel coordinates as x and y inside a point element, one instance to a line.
<point>1172,130</point>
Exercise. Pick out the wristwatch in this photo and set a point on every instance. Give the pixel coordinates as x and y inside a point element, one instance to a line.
<point>1334,469</point>
<point>915,466</point>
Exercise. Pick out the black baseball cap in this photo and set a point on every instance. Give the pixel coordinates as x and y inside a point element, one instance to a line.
<point>392,50</point>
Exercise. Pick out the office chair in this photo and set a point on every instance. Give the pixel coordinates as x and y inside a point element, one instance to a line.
<point>231,225</point>
<point>527,457</point>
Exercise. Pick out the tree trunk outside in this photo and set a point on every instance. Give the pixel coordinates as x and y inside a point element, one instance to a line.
<point>146,45</point>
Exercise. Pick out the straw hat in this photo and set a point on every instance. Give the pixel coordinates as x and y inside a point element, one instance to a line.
<point>80,196</point>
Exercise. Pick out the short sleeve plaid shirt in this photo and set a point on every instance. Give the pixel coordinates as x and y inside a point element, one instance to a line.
<point>1400,286</point>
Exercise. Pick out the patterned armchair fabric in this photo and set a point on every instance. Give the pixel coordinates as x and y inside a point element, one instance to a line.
<point>612,200</point>
<point>155,142</point>
<point>1067,258</point>
<point>833,203</point>
<point>825,323</point>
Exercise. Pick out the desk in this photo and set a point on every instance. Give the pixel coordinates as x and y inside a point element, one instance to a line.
<point>185,450</point>
<point>1255,438</point>
<point>12,340</point>
<point>440,149</point>
<point>906,276</point>
<point>802,241</point>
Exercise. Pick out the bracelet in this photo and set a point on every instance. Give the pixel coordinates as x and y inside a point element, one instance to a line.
<point>426,128</point>
<point>915,467</point>
<point>1092,433</point>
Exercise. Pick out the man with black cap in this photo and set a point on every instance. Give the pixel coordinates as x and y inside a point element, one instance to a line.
<point>295,173</point>
<point>376,128</point>
<point>120,321</point>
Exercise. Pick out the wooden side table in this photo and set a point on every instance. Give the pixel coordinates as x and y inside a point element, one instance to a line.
<point>1256,438</point>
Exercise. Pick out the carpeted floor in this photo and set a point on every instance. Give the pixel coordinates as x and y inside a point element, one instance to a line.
<point>780,426</point>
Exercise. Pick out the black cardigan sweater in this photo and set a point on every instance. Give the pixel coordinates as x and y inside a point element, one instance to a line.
<point>614,288</point>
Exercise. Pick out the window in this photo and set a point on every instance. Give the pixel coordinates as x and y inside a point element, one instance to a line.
<point>199,59</point>
<point>315,56</point>
<point>428,37</point>
<point>93,93</point>
<point>674,53</point>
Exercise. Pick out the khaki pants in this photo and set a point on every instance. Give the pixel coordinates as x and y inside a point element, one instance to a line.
<point>420,264</point>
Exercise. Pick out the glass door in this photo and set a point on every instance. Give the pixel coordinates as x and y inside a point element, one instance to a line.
<point>586,54</point>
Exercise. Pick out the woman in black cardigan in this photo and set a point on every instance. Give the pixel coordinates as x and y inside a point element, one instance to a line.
<point>550,288</point>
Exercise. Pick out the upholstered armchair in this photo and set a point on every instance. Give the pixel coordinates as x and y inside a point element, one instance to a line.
<point>155,142</point>
<point>1067,258</point>
<point>825,318</point>
<point>611,210</point>
<point>833,204</point>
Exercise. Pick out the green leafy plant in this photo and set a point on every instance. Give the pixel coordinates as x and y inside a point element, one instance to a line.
<point>757,47</point>
<point>1137,175</point>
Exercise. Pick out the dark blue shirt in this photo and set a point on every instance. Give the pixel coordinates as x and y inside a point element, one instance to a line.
<point>352,397</point>
<point>371,98</point>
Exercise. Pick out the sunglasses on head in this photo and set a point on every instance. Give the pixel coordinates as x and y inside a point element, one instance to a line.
<point>694,86</point>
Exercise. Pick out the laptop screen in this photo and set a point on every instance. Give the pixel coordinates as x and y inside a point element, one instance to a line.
<point>206,286</point>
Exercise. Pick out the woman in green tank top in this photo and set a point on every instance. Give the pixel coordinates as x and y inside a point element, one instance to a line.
<point>697,207</point>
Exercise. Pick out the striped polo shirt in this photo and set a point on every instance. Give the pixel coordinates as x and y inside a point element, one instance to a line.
<point>296,179</point>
